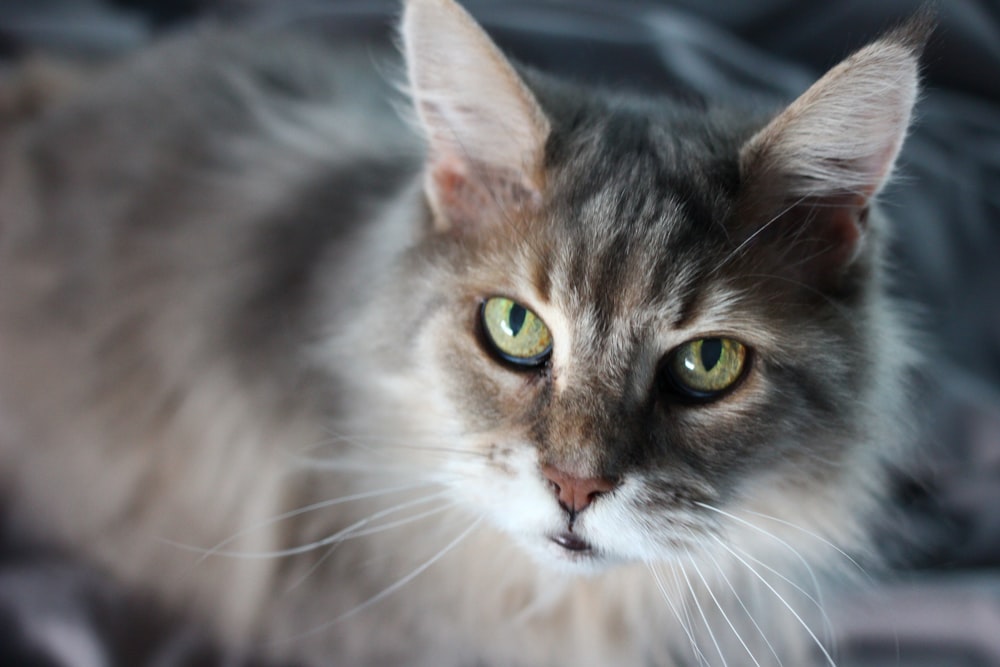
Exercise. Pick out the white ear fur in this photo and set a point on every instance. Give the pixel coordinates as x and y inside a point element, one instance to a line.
<point>843,134</point>
<point>486,133</point>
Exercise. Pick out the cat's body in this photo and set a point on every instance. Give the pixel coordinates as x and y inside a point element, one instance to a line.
<point>225,295</point>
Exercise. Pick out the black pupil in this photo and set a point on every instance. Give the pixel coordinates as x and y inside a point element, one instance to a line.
<point>516,319</point>
<point>711,352</point>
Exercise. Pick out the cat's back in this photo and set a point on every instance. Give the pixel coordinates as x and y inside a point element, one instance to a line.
<point>171,228</point>
<point>193,176</point>
<point>208,109</point>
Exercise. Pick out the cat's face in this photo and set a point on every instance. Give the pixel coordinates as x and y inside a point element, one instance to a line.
<point>628,318</point>
<point>623,276</point>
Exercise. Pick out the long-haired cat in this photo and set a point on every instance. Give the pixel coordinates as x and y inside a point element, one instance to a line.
<point>543,376</point>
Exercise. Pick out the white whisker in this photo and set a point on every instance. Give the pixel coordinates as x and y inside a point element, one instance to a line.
<point>389,590</point>
<point>336,537</point>
<point>817,537</point>
<point>363,533</point>
<point>721,610</point>
<point>398,522</point>
<point>739,600</point>
<point>738,250</point>
<point>770,535</point>
<point>805,626</point>
<point>827,624</point>
<point>413,442</point>
<point>342,465</point>
<point>312,507</point>
<point>701,612</point>
<point>673,607</point>
<point>699,655</point>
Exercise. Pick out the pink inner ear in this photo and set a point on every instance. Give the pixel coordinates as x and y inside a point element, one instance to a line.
<point>448,183</point>
<point>471,197</point>
<point>832,231</point>
<point>459,202</point>
<point>844,231</point>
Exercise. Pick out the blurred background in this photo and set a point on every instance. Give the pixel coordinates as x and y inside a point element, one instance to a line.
<point>941,606</point>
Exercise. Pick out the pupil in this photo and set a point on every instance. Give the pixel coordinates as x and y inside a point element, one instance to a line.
<point>711,352</point>
<point>516,319</point>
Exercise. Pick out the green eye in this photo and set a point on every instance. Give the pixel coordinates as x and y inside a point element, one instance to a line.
<point>704,368</point>
<point>516,333</point>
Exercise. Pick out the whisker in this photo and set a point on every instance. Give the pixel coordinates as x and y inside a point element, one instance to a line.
<point>312,568</point>
<point>818,601</point>
<point>336,537</point>
<point>437,449</point>
<point>389,590</point>
<point>722,611</point>
<point>701,612</point>
<point>673,608</point>
<point>387,446</point>
<point>408,442</point>
<point>805,626</point>
<point>819,538</point>
<point>766,533</point>
<point>398,522</point>
<point>739,600</point>
<point>363,533</point>
<point>699,655</point>
<point>323,504</point>
<point>760,230</point>
<point>339,465</point>
<point>388,469</point>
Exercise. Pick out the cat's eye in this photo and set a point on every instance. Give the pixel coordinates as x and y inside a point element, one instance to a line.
<point>515,333</point>
<point>703,369</point>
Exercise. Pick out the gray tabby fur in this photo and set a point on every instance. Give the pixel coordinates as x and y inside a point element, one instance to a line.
<point>229,289</point>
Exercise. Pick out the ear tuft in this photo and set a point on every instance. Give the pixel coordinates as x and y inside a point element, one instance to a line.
<point>485,131</point>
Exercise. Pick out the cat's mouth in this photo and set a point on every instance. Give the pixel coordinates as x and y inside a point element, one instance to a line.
<point>571,542</point>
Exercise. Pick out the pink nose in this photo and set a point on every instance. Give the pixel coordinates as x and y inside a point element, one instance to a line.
<point>576,494</point>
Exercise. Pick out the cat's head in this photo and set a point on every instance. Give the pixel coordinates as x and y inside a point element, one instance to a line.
<point>634,326</point>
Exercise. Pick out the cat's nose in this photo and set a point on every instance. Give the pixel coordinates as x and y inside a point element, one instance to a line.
<point>574,493</point>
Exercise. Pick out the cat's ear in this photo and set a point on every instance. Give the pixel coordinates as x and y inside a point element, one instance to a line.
<point>812,171</point>
<point>485,131</point>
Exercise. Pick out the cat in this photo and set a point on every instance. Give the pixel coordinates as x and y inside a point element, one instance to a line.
<point>531,374</point>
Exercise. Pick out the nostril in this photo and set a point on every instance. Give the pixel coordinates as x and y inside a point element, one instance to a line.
<point>574,493</point>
